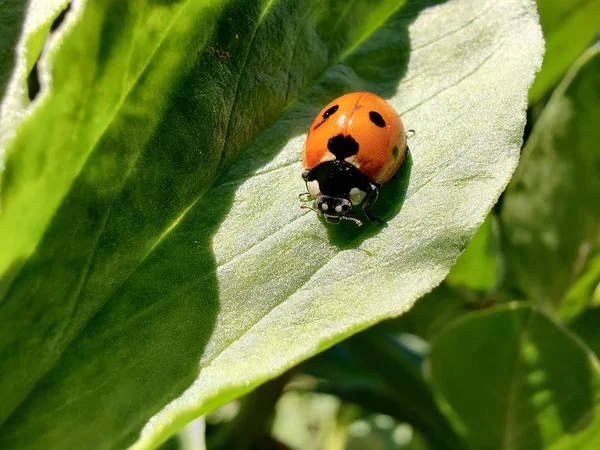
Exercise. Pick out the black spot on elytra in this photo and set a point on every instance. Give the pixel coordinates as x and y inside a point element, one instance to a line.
<point>377,119</point>
<point>342,146</point>
<point>326,115</point>
<point>330,111</point>
<point>396,152</point>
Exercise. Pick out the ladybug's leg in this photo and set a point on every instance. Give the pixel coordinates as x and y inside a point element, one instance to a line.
<point>305,196</point>
<point>352,219</point>
<point>369,200</point>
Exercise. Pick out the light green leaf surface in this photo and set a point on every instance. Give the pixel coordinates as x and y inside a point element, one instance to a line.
<point>513,379</point>
<point>24,28</point>
<point>570,27</point>
<point>551,212</point>
<point>145,274</point>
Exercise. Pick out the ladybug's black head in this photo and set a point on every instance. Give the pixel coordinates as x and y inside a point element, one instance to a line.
<point>333,209</point>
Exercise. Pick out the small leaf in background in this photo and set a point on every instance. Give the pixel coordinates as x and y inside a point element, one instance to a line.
<point>155,261</point>
<point>582,293</point>
<point>435,311</point>
<point>587,327</point>
<point>308,420</point>
<point>551,214</point>
<point>570,27</point>
<point>379,371</point>
<point>477,267</point>
<point>511,378</point>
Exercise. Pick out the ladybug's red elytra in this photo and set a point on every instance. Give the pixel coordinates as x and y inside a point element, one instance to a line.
<point>355,144</point>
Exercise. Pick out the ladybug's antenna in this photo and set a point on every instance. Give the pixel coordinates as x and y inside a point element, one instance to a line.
<point>308,207</point>
<point>411,133</point>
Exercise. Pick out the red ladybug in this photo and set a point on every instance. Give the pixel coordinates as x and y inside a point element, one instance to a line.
<point>356,143</point>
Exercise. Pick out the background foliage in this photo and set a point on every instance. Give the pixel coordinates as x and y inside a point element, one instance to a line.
<point>155,265</point>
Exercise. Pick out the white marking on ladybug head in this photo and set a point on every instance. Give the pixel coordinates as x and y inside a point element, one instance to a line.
<point>324,206</point>
<point>352,160</point>
<point>338,208</point>
<point>313,188</point>
<point>357,196</point>
<point>328,156</point>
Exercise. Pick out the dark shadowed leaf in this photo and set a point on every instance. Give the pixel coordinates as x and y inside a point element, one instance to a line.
<point>587,327</point>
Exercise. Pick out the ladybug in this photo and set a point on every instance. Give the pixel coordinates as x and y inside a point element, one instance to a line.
<point>355,144</point>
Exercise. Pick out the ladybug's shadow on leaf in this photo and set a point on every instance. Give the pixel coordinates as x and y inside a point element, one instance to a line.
<point>391,197</point>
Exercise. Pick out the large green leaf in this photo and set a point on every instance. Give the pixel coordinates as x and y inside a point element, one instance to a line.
<point>570,27</point>
<point>141,268</point>
<point>512,379</point>
<point>551,212</point>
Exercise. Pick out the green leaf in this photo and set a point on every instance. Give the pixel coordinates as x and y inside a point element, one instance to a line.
<point>477,267</point>
<point>32,21</point>
<point>581,294</point>
<point>155,259</point>
<point>11,21</point>
<point>587,327</point>
<point>511,378</point>
<point>435,311</point>
<point>551,214</point>
<point>569,29</point>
